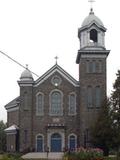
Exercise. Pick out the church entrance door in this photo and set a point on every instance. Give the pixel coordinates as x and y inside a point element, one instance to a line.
<point>56,142</point>
<point>39,143</point>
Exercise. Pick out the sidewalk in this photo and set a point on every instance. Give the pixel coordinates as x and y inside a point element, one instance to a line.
<point>51,155</point>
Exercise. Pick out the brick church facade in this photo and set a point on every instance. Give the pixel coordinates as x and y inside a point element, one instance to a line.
<point>56,111</point>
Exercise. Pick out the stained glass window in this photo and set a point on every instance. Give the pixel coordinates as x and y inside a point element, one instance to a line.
<point>56,103</point>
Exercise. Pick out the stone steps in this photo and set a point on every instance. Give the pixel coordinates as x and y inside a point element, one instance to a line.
<point>43,155</point>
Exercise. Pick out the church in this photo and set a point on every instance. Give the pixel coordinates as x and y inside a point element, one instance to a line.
<point>56,111</point>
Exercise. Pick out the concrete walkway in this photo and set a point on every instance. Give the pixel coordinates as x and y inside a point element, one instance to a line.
<point>50,156</point>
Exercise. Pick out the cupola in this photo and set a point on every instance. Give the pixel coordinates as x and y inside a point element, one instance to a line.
<point>92,33</point>
<point>26,75</point>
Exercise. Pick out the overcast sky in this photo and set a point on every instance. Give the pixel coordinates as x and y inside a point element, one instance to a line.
<point>33,32</point>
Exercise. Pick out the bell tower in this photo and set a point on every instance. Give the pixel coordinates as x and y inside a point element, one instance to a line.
<point>92,72</point>
<point>92,33</point>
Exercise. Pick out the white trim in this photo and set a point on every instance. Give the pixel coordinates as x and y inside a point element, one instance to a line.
<point>58,69</point>
<point>39,114</point>
<point>36,141</point>
<point>25,85</point>
<point>93,56</point>
<point>94,27</point>
<point>72,134</point>
<point>12,109</point>
<point>56,90</point>
<point>72,93</point>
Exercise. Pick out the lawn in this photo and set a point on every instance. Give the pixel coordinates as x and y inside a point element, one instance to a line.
<point>1,156</point>
<point>15,158</point>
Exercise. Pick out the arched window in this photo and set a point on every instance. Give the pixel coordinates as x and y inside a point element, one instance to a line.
<point>25,101</point>
<point>94,66</point>
<point>72,141</point>
<point>39,104</point>
<point>97,96</point>
<point>91,66</point>
<point>93,35</point>
<point>100,66</point>
<point>56,103</point>
<point>89,97</point>
<point>72,104</point>
<point>39,143</point>
<point>87,66</point>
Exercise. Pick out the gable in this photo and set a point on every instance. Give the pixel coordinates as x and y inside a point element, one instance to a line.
<point>93,23</point>
<point>54,69</point>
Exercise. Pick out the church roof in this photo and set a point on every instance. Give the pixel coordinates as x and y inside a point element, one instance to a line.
<point>56,68</point>
<point>26,75</point>
<point>91,18</point>
<point>13,104</point>
<point>12,128</point>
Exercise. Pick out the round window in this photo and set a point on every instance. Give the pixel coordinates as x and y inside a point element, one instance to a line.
<point>56,81</point>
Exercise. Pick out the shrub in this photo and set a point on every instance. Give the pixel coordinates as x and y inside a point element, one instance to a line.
<point>12,157</point>
<point>85,154</point>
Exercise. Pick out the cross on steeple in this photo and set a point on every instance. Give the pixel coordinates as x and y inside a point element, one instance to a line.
<point>56,58</point>
<point>91,1</point>
<point>26,66</point>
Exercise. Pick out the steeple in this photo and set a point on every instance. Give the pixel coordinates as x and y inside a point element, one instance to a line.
<point>92,33</point>
<point>91,58</point>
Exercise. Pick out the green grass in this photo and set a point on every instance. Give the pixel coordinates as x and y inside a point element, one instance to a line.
<point>1,156</point>
<point>15,158</point>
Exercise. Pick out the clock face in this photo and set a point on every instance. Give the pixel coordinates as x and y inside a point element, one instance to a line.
<point>56,80</point>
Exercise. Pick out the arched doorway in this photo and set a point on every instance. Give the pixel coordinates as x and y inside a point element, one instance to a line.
<point>72,142</point>
<point>39,143</point>
<point>56,142</point>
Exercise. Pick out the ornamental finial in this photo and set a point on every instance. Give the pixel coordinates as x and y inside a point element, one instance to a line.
<point>91,7</point>
<point>56,58</point>
<point>26,66</point>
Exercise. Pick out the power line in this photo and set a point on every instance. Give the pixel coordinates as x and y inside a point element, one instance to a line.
<point>17,62</point>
